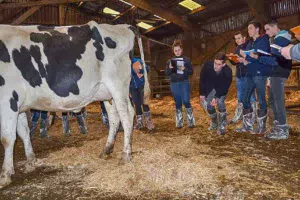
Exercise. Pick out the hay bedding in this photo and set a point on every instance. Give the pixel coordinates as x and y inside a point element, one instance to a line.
<point>172,163</point>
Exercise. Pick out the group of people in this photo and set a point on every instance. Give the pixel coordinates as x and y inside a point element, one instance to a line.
<point>258,66</point>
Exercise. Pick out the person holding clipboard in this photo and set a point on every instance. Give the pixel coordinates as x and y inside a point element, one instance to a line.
<point>179,69</point>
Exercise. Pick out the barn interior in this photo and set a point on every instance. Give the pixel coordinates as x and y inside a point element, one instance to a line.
<point>167,163</point>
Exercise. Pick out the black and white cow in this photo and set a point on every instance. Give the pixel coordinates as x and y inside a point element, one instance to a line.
<point>64,69</point>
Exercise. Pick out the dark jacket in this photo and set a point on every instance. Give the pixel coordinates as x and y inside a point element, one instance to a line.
<point>241,69</point>
<point>137,82</point>
<point>209,80</point>
<point>256,68</point>
<point>281,67</point>
<point>177,77</point>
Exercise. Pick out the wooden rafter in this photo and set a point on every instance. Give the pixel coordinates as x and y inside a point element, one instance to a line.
<point>27,14</point>
<point>38,3</point>
<point>124,13</point>
<point>168,15</point>
<point>157,27</point>
<point>11,16</point>
<point>197,10</point>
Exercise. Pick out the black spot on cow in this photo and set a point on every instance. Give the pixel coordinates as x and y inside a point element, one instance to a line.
<point>15,96</point>
<point>4,55</point>
<point>62,51</point>
<point>36,54</point>
<point>110,43</point>
<point>23,62</point>
<point>2,81</point>
<point>14,101</point>
<point>45,28</point>
<point>96,35</point>
<point>98,44</point>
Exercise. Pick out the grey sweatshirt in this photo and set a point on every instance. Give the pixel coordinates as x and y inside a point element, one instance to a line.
<point>295,52</point>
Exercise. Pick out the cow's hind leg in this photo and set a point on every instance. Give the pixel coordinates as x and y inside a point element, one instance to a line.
<point>126,114</point>
<point>8,120</point>
<point>23,132</point>
<point>114,121</point>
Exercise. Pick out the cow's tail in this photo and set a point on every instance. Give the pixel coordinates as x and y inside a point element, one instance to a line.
<point>147,90</point>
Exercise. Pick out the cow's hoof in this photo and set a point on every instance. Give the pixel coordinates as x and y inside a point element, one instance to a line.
<point>5,180</point>
<point>104,155</point>
<point>30,166</point>
<point>126,158</point>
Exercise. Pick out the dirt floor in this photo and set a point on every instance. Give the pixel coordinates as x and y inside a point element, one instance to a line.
<point>168,163</point>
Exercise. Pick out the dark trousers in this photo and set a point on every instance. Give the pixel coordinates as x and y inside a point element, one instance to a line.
<point>220,103</point>
<point>258,83</point>
<point>103,107</point>
<point>276,99</point>
<point>181,93</point>
<point>36,115</point>
<point>137,95</point>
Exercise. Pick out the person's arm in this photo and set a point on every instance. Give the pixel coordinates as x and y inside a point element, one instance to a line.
<point>295,52</point>
<point>168,70</point>
<point>188,69</point>
<point>226,84</point>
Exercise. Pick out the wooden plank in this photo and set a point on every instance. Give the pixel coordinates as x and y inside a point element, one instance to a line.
<point>166,14</point>
<point>197,10</point>
<point>61,15</point>
<point>157,27</point>
<point>124,13</point>
<point>38,3</point>
<point>27,14</point>
<point>11,16</point>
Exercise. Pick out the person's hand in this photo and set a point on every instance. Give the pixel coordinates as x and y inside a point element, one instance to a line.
<point>170,66</point>
<point>213,102</point>
<point>242,54</point>
<point>202,98</point>
<point>241,59</point>
<point>298,37</point>
<point>252,55</point>
<point>285,51</point>
<point>182,68</point>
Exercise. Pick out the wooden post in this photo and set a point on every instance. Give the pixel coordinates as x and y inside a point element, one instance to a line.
<point>61,15</point>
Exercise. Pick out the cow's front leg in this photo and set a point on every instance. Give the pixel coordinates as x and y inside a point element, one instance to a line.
<point>126,114</point>
<point>8,137</point>
<point>114,121</point>
<point>23,132</point>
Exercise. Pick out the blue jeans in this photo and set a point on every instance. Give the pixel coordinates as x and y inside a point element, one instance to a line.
<point>36,115</point>
<point>181,93</point>
<point>258,83</point>
<point>276,99</point>
<point>241,86</point>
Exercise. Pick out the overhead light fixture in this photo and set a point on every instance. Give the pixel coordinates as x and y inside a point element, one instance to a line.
<point>190,4</point>
<point>144,25</point>
<point>160,17</point>
<point>126,2</point>
<point>110,11</point>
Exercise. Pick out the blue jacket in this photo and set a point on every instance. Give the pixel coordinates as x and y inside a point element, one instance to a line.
<point>137,82</point>
<point>256,68</point>
<point>281,67</point>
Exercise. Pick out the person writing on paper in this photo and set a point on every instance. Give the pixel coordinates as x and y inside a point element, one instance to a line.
<point>179,69</point>
<point>241,72</point>
<point>292,51</point>
<point>215,80</point>
<point>281,69</point>
<point>137,93</point>
<point>256,79</point>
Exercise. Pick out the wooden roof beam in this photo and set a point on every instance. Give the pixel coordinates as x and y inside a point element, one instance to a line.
<point>38,3</point>
<point>124,13</point>
<point>168,15</point>
<point>156,27</point>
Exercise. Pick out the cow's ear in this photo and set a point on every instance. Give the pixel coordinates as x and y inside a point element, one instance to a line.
<point>96,35</point>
